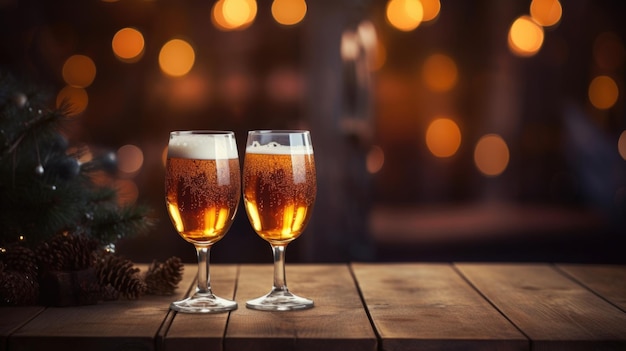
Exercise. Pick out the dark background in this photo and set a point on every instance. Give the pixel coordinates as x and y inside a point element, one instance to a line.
<point>561,198</point>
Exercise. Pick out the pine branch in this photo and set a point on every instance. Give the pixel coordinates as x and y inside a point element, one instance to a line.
<point>111,223</point>
<point>44,189</point>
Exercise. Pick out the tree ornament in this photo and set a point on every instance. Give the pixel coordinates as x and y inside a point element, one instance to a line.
<point>59,143</point>
<point>69,168</point>
<point>20,100</point>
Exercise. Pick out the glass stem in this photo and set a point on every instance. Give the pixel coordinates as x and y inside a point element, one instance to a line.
<point>280,282</point>
<point>204,277</point>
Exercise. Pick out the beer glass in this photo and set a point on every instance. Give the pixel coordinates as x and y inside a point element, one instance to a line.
<point>279,193</point>
<point>202,192</point>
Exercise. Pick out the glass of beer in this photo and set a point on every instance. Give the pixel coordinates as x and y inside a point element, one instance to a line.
<point>279,193</point>
<point>202,192</point>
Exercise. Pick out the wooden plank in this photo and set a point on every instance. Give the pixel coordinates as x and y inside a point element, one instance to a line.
<point>338,320</point>
<point>112,325</point>
<point>608,281</point>
<point>555,312</point>
<point>429,307</point>
<point>12,318</point>
<point>184,331</point>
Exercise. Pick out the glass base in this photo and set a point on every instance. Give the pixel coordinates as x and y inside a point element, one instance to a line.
<point>279,301</point>
<point>204,303</point>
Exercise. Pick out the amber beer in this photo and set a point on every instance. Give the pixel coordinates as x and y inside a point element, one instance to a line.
<point>279,191</point>
<point>202,193</point>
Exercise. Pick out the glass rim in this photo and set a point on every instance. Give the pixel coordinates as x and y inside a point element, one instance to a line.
<point>279,131</point>
<point>202,132</point>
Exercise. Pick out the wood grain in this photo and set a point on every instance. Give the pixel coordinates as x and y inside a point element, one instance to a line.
<point>337,322</point>
<point>12,318</point>
<point>608,281</point>
<point>113,325</point>
<point>555,312</point>
<point>183,331</point>
<point>429,307</point>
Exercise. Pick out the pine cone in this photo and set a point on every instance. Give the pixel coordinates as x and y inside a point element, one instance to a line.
<point>20,258</point>
<point>18,288</point>
<point>67,252</point>
<point>121,275</point>
<point>163,278</point>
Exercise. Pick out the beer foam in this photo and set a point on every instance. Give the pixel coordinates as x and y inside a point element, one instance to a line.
<point>211,147</point>
<point>274,148</point>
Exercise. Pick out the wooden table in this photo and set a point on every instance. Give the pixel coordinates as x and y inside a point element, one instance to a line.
<point>359,306</point>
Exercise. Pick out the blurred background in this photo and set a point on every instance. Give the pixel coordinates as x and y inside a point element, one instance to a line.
<point>444,130</point>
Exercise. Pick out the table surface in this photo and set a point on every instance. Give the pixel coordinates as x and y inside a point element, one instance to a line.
<point>358,306</point>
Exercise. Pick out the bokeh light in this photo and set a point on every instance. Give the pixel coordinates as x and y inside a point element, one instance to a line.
<point>443,137</point>
<point>603,92</point>
<point>228,15</point>
<point>289,12</point>
<point>525,37</point>
<point>349,47</point>
<point>431,9</point>
<point>76,98</point>
<point>79,71</point>
<point>621,144</point>
<point>176,58</point>
<point>404,15</point>
<point>217,16</point>
<point>129,158</point>
<point>375,159</point>
<point>546,12</point>
<point>439,73</point>
<point>128,45</point>
<point>127,191</point>
<point>491,155</point>
<point>380,57</point>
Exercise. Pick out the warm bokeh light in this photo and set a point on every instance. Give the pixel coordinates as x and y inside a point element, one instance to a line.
<point>375,159</point>
<point>546,12</point>
<point>603,92</point>
<point>443,137</point>
<point>285,85</point>
<point>491,155</point>
<point>379,57</point>
<point>288,12</point>
<point>230,15</point>
<point>128,44</point>
<point>188,93</point>
<point>176,58</point>
<point>439,73</point>
<point>217,16</point>
<point>127,191</point>
<point>608,51</point>
<point>349,47</point>
<point>404,15</point>
<point>431,9</point>
<point>129,158</point>
<point>525,37</point>
<point>76,98</point>
<point>235,12</point>
<point>373,47</point>
<point>79,71</point>
<point>621,144</point>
